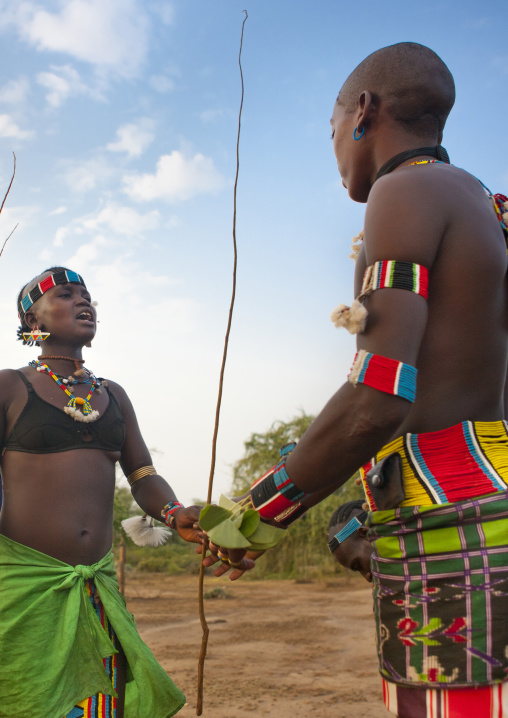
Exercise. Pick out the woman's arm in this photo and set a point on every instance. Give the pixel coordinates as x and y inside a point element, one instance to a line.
<point>152,493</point>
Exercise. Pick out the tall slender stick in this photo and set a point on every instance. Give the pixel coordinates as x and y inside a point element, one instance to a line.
<point>202,617</point>
<point>2,205</point>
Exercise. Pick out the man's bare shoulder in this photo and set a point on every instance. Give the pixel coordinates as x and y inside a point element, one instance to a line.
<point>410,210</point>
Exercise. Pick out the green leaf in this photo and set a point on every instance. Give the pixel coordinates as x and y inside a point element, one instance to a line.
<point>211,516</point>
<point>227,503</point>
<point>227,535</point>
<point>265,537</point>
<point>250,522</point>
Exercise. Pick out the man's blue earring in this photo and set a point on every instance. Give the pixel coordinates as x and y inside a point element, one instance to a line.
<point>360,135</point>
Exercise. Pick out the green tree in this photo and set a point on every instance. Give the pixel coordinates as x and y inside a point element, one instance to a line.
<point>262,450</point>
<point>304,550</point>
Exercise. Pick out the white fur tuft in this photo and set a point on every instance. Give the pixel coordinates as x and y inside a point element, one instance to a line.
<point>142,531</point>
<point>353,318</point>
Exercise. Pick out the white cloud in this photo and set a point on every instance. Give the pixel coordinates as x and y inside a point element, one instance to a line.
<point>110,219</point>
<point>176,178</point>
<point>123,220</point>
<point>9,128</point>
<point>63,82</point>
<point>14,92</point>
<point>58,210</point>
<point>110,35</point>
<point>87,253</point>
<point>161,83</point>
<point>86,176</point>
<point>133,138</point>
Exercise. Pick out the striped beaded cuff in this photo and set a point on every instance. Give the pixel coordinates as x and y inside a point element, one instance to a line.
<point>344,533</point>
<point>274,493</point>
<point>168,512</point>
<point>396,275</point>
<point>388,375</point>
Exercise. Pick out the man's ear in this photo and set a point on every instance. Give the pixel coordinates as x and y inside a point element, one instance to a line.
<point>365,110</point>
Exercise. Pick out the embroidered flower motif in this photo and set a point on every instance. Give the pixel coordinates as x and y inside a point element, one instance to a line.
<point>459,624</point>
<point>426,634</point>
<point>432,672</point>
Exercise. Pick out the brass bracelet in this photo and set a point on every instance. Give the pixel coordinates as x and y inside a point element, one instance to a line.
<point>139,473</point>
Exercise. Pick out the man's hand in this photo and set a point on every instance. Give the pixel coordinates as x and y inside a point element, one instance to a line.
<point>236,560</point>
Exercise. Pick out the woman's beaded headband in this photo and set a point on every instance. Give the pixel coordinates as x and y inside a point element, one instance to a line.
<point>352,526</point>
<point>62,276</point>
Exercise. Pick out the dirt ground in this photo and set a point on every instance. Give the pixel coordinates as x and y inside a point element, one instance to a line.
<point>276,648</point>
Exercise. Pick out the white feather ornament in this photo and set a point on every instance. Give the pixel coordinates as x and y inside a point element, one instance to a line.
<point>142,531</point>
<point>353,318</point>
<point>77,415</point>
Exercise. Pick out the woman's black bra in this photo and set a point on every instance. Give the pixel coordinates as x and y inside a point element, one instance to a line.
<point>43,428</point>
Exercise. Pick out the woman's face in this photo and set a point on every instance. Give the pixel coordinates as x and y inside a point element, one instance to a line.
<point>355,552</point>
<point>65,311</point>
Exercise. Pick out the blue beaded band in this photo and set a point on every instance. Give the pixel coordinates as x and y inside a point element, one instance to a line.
<point>351,526</point>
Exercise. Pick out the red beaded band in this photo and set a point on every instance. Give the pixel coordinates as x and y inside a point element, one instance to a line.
<point>388,375</point>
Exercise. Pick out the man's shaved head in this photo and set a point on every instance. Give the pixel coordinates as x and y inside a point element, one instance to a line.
<point>413,82</point>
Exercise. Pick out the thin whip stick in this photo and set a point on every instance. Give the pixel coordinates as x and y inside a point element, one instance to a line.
<point>2,205</point>
<point>202,617</point>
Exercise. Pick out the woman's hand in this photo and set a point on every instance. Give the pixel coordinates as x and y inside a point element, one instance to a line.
<point>187,524</point>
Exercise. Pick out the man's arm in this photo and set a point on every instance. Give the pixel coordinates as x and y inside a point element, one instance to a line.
<point>404,222</point>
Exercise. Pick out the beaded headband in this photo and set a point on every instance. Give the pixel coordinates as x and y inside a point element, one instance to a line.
<point>62,276</point>
<point>344,533</point>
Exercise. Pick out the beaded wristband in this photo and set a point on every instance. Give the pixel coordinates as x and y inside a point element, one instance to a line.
<point>388,274</point>
<point>344,533</point>
<point>168,512</point>
<point>139,473</point>
<point>388,375</point>
<point>274,493</point>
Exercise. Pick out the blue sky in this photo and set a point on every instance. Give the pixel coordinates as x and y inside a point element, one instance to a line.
<point>123,116</point>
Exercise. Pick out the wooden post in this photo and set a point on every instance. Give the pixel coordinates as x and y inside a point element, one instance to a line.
<point>121,565</point>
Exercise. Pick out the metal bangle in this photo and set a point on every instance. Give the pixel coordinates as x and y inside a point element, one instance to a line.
<point>139,473</point>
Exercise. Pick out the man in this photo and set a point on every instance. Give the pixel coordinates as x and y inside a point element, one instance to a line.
<point>427,384</point>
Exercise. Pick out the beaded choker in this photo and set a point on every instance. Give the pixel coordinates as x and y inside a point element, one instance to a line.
<point>86,413</point>
<point>438,152</point>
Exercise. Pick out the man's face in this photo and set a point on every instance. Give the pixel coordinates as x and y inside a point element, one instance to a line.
<point>341,138</point>
<point>355,552</point>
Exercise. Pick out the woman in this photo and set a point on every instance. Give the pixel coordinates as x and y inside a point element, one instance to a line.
<point>65,636</point>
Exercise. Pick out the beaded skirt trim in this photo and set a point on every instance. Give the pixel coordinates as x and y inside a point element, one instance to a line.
<point>463,461</point>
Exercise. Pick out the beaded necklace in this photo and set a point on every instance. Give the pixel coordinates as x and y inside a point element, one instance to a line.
<point>86,414</point>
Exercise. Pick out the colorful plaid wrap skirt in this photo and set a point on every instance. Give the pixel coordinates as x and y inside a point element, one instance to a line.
<point>440,587</point>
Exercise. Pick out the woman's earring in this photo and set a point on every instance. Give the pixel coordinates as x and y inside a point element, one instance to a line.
<point>35,335</point>
<point>360,135</point>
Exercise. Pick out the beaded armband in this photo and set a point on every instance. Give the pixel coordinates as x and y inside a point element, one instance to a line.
<point>385,274</point>
<point>344,533</point>
<point>168,513</point>
<point>275,496</point>
<point>390,274</point>
<point>388,375</point>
